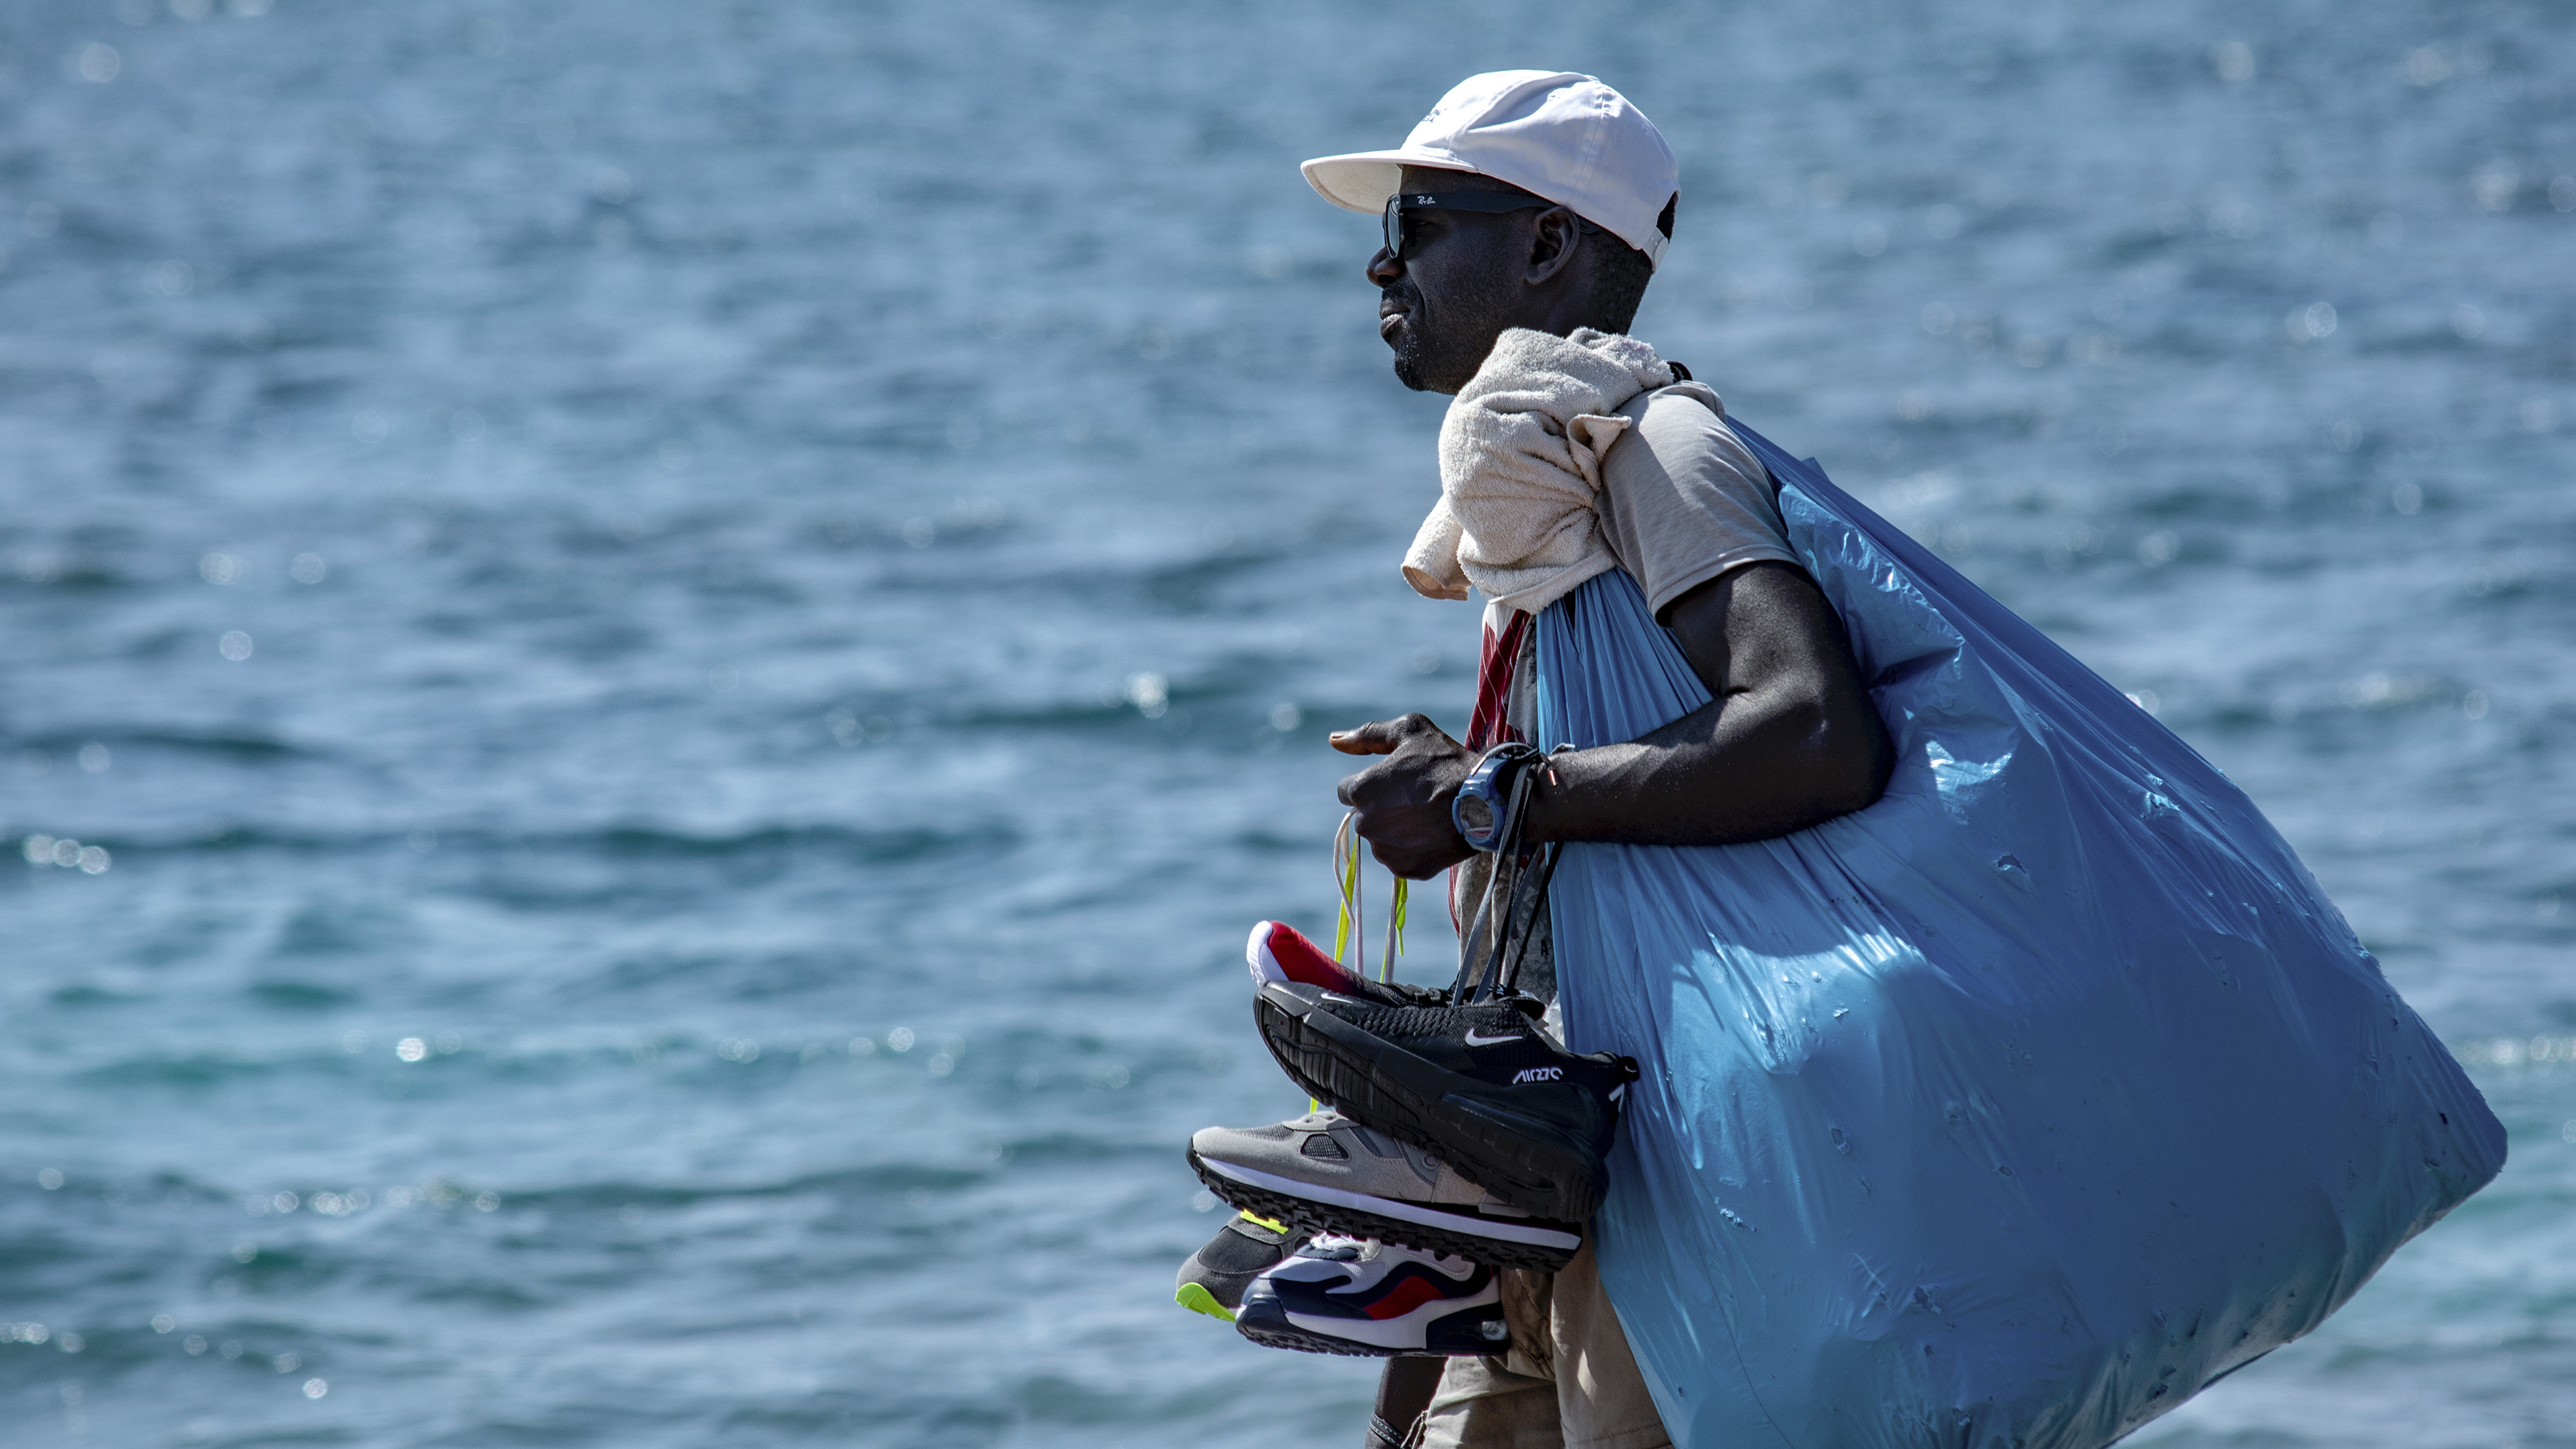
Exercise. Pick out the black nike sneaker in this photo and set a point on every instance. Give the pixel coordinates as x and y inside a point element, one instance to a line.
<point>1213,1280</point>
<point>1478,1086</point>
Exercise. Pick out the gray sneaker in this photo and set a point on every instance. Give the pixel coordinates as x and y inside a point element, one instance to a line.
<point>1327,1174</point>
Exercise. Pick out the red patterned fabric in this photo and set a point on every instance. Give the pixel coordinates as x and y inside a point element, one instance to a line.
<point>1487,727</point>
<point>1501,659</point>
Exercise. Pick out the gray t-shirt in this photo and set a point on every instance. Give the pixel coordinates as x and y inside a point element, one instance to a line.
<point>1683,501</point>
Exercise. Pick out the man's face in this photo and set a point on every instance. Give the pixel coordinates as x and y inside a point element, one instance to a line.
<point>1457,287</point>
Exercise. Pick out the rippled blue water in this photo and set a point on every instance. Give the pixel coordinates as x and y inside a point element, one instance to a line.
<point>791,561</point>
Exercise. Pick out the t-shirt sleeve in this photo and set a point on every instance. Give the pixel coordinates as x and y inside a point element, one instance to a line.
<point>1682,499</point>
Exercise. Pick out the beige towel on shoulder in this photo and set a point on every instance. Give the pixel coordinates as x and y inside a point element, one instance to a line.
<point>1520,463</point>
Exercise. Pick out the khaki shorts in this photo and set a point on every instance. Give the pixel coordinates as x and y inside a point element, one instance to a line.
<point>1568,1383</point>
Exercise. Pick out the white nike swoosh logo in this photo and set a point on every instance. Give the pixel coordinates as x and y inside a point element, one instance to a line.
<point>1474,1040</point>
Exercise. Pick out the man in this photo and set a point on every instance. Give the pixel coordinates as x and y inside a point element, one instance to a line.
<point>1543,201</point>
<point>2046,1077</point>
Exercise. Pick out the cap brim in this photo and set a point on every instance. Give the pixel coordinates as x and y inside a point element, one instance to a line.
<point>1363,180</point>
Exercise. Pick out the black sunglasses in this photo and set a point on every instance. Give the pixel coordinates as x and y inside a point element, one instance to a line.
<point>1487,201</point>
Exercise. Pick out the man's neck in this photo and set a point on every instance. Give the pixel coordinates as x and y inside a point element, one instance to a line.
<point>1565,316</point>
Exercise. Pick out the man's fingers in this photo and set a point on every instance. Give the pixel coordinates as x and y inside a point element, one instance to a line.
<point>1403,814</point>
<point>1384,736</point>
<point>1377,737</point>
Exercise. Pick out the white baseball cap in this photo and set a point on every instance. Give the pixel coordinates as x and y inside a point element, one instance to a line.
<point>1565,137</point>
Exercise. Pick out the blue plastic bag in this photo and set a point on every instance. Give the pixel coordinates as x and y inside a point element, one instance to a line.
<point>2010,1111</point>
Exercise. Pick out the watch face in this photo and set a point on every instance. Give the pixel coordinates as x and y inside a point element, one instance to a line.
<point>1476,813</point>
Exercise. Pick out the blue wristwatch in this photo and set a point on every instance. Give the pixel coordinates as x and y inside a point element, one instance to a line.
<point>1483,810</point>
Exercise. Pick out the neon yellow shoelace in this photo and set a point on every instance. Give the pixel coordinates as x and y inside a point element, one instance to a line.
<point>1352,926</point>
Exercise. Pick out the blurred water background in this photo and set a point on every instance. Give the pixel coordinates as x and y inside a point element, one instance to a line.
<point>657,653</point>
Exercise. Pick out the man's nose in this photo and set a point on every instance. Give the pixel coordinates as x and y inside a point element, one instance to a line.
<point>1384,269</point>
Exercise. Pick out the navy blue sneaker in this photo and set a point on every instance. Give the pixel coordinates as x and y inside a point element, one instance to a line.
<point>1361,1297</point>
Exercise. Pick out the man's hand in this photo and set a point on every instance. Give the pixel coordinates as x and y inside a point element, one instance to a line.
<point>1789,739</point>
<point>1403,800</point>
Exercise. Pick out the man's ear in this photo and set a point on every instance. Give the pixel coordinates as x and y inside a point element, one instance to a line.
<point>1554,238</point>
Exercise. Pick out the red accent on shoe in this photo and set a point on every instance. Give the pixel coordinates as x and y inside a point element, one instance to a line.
<point>1282,953</point>
<point>1403,1298</point>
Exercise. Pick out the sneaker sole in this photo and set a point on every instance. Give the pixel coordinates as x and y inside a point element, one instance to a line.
<point>1448,1114</point>
<point>1272,1332</point>
<point>1283,1332</point>
<point>1196,1298</point>
<point>1274,1336</point>
<point>1313,1208</point>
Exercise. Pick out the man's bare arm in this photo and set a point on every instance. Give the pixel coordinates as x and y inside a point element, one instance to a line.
<point>1790,740</point>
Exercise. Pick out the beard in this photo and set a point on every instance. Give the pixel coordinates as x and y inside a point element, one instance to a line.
<point>1441,352</point>
<point>1408,338</point>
